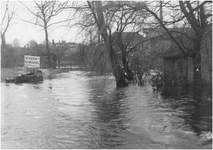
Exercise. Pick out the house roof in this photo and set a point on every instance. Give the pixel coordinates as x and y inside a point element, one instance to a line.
<point>172,52</point>
<point>182,35</point>
<point>129,36</point>
<point>161,31</point>
<point>161,34</point>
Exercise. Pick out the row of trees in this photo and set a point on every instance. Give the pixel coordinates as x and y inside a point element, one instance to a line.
<point>65,55</point>
<point>105,18</point>
<point>61,53</point>
<point>110,17</point>
<point>43,13</point>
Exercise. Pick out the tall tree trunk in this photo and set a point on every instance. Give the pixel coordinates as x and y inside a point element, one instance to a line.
<point>59,63</point>
<point>3,41</point>
<point>47,47</point>
<point>116,67</point>
<point>197,77</point>
<point>3,50</point>
<point>128,71</point>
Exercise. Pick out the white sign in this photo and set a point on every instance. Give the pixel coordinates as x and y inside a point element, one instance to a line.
<point>31,61</point>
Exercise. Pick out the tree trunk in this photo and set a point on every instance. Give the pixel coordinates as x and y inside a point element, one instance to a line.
<point>140,79</point>
<point>128,71</point>
<point>59,63</point>
<point>3,45</point>
<point>197,78</point>
<point>3,42</point>
<point>116,67</point>
<point>47,47</point>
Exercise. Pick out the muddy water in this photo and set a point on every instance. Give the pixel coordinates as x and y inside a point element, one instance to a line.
<point>73,110</point>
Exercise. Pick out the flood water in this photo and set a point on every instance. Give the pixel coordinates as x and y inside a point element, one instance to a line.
<point>73,110</point>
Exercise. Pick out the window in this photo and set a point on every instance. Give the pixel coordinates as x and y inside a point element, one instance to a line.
<point>180,67</point>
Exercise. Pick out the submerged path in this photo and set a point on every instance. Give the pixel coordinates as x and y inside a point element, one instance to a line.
<point>72,110</point>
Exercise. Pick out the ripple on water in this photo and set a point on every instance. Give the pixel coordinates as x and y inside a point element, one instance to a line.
<point>74,110</point>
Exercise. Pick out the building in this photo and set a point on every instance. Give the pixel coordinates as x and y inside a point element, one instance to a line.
<point>172,61</point>
<point>63,52</point>
<point>177,65</point>
<point>157,41</point>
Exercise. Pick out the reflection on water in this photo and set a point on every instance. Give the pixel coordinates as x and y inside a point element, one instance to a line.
<point>73,110</point>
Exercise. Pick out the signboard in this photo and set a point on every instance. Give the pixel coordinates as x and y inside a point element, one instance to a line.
<point>31,61</point>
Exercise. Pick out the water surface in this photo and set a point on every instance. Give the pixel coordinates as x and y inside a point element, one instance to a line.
<point>73,110</point>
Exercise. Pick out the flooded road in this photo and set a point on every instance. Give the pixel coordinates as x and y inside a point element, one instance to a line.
<point>73,110</point>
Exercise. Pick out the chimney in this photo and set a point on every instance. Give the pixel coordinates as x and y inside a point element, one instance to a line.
<point>53,41</point>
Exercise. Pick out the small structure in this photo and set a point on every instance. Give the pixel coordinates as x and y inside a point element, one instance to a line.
<point>176,64</point>
<point>31,64</point>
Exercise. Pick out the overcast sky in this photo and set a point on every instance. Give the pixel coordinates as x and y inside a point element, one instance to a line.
<point>25,32</point>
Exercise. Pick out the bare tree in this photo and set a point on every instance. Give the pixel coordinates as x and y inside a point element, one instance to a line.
<point>60,50</point>
<point>108,22</point>
<point>98,15</point>
<point>199,18</point>
<point>44,12</point>
<point>16,43</point>
<point>31,43</point>
<point>6,17</point>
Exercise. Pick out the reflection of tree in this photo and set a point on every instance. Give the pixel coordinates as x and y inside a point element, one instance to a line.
<point>110,113</point>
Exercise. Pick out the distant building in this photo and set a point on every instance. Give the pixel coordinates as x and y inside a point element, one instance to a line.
<point>63,51</point>
<point>157,41</point>
<point>44,62</point>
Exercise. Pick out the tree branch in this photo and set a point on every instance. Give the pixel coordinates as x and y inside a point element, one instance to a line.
<point>190,18</point>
